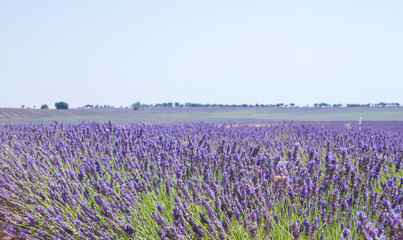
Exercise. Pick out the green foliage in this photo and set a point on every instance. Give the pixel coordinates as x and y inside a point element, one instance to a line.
<point>321,105</point>
<point>136,106</point>
<point>62,105</point>
<point>44,106</point>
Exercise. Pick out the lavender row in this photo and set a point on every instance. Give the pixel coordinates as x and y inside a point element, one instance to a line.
<point>199,181</point>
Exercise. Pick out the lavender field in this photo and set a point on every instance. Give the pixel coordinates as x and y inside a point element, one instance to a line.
<point>199,181</point>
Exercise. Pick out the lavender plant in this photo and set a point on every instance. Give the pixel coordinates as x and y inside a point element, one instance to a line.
<point>199,181</point>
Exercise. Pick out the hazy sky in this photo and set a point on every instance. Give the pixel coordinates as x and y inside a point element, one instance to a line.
<point>120,52</point>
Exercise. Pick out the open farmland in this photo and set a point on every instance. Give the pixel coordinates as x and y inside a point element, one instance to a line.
<point>387,118</point>
<point>199,181</point>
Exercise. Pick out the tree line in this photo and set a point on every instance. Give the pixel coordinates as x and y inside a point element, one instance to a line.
<point>139,105</point>
<point>381,104</point>
<point>58,105</point>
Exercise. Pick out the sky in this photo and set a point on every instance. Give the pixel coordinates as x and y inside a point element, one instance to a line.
<point>229,52</point>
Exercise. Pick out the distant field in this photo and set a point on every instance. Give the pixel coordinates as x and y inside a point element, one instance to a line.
<point>339,117</point>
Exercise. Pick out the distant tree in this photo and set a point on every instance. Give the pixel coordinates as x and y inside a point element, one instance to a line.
<point>168,104</point>
<point>62,105</point>
<point>136,105</point>
<point>324,105</point>
<point>44,106</point>
<point>23,106</point>
<point>358,105</point>
<point>382,104</point>
<point>177,104</point>
<point>292,104</point>
<point>321,105</point>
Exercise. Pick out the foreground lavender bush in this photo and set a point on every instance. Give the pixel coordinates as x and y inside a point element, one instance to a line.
<point>199,181</point>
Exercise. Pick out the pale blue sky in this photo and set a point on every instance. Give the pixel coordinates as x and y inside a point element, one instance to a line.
<point>120,52</point>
